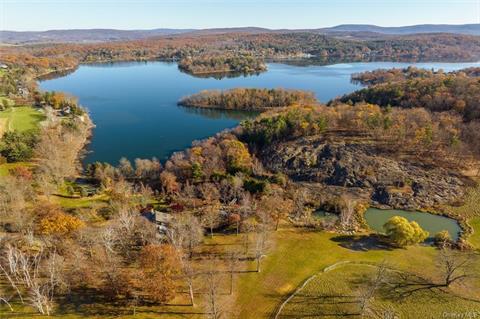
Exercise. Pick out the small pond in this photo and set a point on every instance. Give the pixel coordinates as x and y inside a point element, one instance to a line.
<point>324,215</point>
<point>376,218</point>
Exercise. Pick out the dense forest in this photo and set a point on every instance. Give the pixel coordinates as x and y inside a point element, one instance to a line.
<point>222,63</point>
<point>410,88</point>
<point>248,99</point>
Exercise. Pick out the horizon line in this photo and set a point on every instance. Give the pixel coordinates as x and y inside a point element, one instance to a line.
<point>246,27</point>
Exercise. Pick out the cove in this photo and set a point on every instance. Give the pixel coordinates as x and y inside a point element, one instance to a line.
<point>134,105</point>
<point>376,218</point>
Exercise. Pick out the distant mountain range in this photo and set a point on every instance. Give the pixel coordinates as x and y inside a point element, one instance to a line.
<point>103,35</point>
<point>83,35</point>
<point>472,29</point>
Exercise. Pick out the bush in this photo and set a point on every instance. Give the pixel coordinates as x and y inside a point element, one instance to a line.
<point>279,179</point>
<point>83,192</point>
<point>442,238</point>
<point>402,233</point>
<point>255,186</point>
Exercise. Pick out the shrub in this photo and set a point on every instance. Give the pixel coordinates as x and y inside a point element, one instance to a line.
<point>21,172</point>
<point>255,186</point>
<point>59,223</point>
<point>442,238</point>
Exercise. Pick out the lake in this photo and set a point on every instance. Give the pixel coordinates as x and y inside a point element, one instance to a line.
<point>134,105</point>
<point>376,218</point>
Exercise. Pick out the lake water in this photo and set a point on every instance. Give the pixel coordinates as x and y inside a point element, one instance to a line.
<point>376,218</point>
<point>134,105</point>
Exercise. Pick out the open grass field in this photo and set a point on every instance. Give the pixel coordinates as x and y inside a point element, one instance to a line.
<point>21,118</point>
<point>471,207</point>
<point>335,294</point>
<point>299,255</point>
<point>471,211</point>
<point>83,202</point>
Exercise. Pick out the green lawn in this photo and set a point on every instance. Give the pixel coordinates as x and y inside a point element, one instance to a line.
<point>475,237</point>
<point>335,294</point>
<point>20,118</point>
<point>81,202</point>
<point>299,254</point>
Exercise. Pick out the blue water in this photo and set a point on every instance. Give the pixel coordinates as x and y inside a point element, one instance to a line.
<point>134,105</point>
<point>376,218</point>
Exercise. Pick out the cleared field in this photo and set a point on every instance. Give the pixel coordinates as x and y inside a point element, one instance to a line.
<point>21,118</point>
<point>336,294</point>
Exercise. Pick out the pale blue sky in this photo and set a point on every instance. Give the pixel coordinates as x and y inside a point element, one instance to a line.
<point>148,14</point>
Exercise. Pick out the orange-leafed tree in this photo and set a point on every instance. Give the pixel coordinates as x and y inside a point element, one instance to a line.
<point>59,223</point>
<point>159,267</point>
<point>237,155</point>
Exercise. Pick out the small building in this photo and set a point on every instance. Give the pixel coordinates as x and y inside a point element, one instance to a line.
<point>3,66</point>
<point>160,219</point>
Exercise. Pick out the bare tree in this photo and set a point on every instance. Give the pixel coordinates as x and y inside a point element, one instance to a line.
<point>213,305</point>
<point>185,233</point>
<point>347,211</point>
<point>4,299</point>
<point>456,267</point>
<point>276,207</point>
<point>246,227</point>
<point>14,195</point>
<point>211,216</point>
<point>39,274</point>
<point>260,245</point>
<point>232,264</point>
<point>371,288</point>
<point>144,193</point>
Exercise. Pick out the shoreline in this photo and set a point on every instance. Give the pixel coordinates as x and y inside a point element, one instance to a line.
<point>463,223</point>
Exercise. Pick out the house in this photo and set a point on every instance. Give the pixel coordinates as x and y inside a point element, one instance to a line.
<point>160,219</point>
<point>23,92</point>
<point>3,66</point>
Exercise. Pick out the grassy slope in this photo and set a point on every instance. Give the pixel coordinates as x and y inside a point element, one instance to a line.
<point>471,210</point>
<point>20,118</point>
<point>300,254</point>
<point>475,237</point>
<point>334,294</point>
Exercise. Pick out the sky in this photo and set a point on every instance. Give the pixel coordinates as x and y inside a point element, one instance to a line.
<point>39,15</point>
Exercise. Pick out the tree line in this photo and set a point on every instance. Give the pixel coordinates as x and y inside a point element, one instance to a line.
<point>435,91</point>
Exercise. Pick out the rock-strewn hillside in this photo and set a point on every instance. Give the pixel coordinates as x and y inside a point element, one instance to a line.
<point>399,183</point>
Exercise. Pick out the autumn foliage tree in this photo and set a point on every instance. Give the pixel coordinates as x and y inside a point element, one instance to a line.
<point>402,233</point>
<point>238,156</point>
<point>159,266</point>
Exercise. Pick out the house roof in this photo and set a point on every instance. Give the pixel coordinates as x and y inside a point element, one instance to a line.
<point>162,217</point>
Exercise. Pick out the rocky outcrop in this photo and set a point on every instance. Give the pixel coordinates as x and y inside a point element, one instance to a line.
<point>400,183</point>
